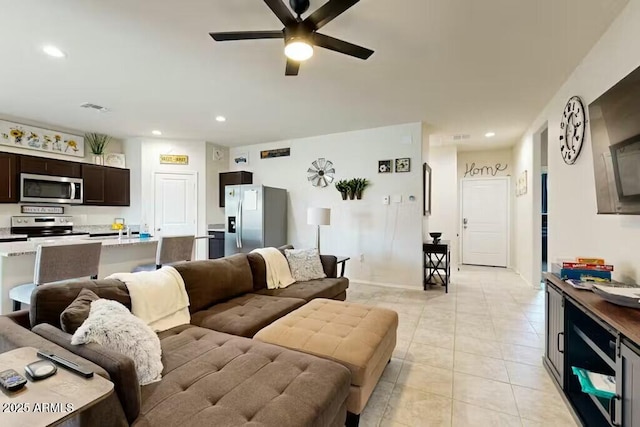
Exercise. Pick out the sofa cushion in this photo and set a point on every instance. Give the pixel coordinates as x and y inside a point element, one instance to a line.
<point>304,264</point>
<point>78,311</point>
<point>49,301</point>
<point>245,315</point>
<point>215,379</point>
<point>212,281</point>
<point>319,288</point>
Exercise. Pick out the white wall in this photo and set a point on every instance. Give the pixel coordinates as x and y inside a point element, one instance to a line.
<point>574,227</point>
<point>147,152</point>
<point>215,214</point>
<point>389,238</point>
<point>444,195</point>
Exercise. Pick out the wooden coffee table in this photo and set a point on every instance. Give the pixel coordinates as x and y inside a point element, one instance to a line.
<point>50,401</point>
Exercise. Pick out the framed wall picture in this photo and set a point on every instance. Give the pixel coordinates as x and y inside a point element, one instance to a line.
<point>384,166</point>
<point>426,185</point>
<point>403,165</point>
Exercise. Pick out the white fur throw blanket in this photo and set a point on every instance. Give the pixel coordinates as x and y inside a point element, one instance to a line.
<point>158,297</point>
<point>278,272</point>
<point>111,325</point>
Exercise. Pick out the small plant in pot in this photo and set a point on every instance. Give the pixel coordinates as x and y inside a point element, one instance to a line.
<point>343,187</point>
<point>359,185</point>
<point>97,143</point>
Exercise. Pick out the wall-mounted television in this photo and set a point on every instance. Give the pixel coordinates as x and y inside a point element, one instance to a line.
<point>614,120</point>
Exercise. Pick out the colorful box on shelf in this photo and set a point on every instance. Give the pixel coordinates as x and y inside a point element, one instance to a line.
<point>586,266</point>
<point>581,274</point>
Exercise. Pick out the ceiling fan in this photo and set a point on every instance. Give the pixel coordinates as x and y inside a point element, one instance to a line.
<point>301,35</point>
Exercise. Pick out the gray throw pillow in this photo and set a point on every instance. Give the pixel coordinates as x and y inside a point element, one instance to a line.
<point>112,325</point>
<point>77,312</point>
<point>304,264</point>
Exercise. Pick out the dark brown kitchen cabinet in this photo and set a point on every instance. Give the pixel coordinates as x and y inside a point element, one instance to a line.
<point>233,178</point>
<point>8,178</point>
<point>44,166</point>
<point>93,178</point>
<point>105,186</point>
<point>117,183</point>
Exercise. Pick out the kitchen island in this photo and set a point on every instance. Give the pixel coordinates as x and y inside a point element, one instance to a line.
<point>17,260</point>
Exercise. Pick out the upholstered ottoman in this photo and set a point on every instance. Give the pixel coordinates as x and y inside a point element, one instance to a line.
<point>360,337</point>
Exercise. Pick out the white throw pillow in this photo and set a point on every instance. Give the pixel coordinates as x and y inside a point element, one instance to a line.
<point>304,264</point>
<point>112,325</point>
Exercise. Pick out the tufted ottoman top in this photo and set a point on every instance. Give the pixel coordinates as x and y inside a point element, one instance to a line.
<point>351,334</point>
<point>214,379</point>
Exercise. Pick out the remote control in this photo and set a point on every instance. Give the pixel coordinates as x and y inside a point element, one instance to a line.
<point>11,380</point>
<point>64,363</point>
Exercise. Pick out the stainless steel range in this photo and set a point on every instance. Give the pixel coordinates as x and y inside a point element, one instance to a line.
<point>39,228</point>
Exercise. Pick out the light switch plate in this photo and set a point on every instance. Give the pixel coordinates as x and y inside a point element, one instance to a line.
<point>396,198</point>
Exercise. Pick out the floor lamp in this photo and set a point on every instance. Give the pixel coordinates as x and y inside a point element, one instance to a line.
<point>318,217</point>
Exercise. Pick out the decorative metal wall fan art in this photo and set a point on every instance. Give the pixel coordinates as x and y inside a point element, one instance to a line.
<point>321,173</point>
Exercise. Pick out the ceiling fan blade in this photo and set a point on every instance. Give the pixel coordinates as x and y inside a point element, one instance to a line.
<point>246,35</point>
<point>281,11</point>
<point>292,68</point>
<point>328,13</point>
<point>341,46</point>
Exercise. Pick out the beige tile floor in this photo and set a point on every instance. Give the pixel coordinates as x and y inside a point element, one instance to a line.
<point>468,358</point>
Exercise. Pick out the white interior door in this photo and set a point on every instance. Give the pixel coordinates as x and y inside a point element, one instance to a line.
<point>485,221</point>
<point>176,204</point>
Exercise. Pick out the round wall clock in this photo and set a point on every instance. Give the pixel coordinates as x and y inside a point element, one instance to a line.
<point>321,172</point>
<point>572,129</point>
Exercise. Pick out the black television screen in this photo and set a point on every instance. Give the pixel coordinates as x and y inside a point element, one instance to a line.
<point>614,121</point>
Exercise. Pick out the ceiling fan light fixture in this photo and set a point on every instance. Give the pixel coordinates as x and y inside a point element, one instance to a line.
<point>298,49</point>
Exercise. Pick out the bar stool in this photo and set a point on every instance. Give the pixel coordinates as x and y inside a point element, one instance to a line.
<point>170,250</point>
<point>55,263</point>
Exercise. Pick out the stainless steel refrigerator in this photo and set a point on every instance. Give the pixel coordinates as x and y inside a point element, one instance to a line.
<point>255,217</point>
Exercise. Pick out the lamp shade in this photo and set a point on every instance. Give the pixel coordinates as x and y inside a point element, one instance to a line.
<point>319,216</point>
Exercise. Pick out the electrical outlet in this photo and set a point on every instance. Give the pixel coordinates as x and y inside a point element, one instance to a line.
<point>385,200</point>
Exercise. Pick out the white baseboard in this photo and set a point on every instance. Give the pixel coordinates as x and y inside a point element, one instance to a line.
<point>387,285</point>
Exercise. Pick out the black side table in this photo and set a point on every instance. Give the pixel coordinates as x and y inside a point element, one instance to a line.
<point>436,263</point>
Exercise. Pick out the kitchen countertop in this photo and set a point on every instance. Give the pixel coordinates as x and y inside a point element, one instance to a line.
<point>216,227</point>
<point>10,249</point>
<point>101,229</point>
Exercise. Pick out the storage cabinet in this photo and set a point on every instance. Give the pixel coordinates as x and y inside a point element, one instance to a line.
<point>8,178</point>
<point>105,186</point>
<point>555,338</point>
<point>628,383</point>
<point>117,184</point>
<point>233,178</point>
<point>44,166</point>
<point>216,244</point>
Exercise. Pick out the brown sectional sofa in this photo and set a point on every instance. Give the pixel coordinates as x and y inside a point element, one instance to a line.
<point>213,375</point>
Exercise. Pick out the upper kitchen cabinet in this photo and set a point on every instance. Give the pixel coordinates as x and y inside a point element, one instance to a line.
<point>8,178</point>
<point>233,178</point>
<point>44,166</point>
<point>105,186</point>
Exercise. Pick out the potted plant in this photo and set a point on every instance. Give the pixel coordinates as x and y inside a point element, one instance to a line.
<point>343,187</point>
<point>359,185</point>
<point>97,144</point>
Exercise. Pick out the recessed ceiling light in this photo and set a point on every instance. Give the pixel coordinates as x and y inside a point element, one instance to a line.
<point>221,119</point>
<point>156,132</point>
<point>490,134</point>
<point>53,51</point>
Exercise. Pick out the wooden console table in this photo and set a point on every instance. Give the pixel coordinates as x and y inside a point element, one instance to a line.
<point>585,331</point>
<point>50,401</point>
<point>436,263</point>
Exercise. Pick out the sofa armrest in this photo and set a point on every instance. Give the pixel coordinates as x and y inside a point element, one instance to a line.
<point>20,317</point>
<point>121,368</point>
<point>329,265</point>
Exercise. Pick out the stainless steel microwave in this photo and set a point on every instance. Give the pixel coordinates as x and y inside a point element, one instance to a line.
<point>50,189</point>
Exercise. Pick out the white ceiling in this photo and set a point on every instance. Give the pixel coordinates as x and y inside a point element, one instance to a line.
<point>463,66</point>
